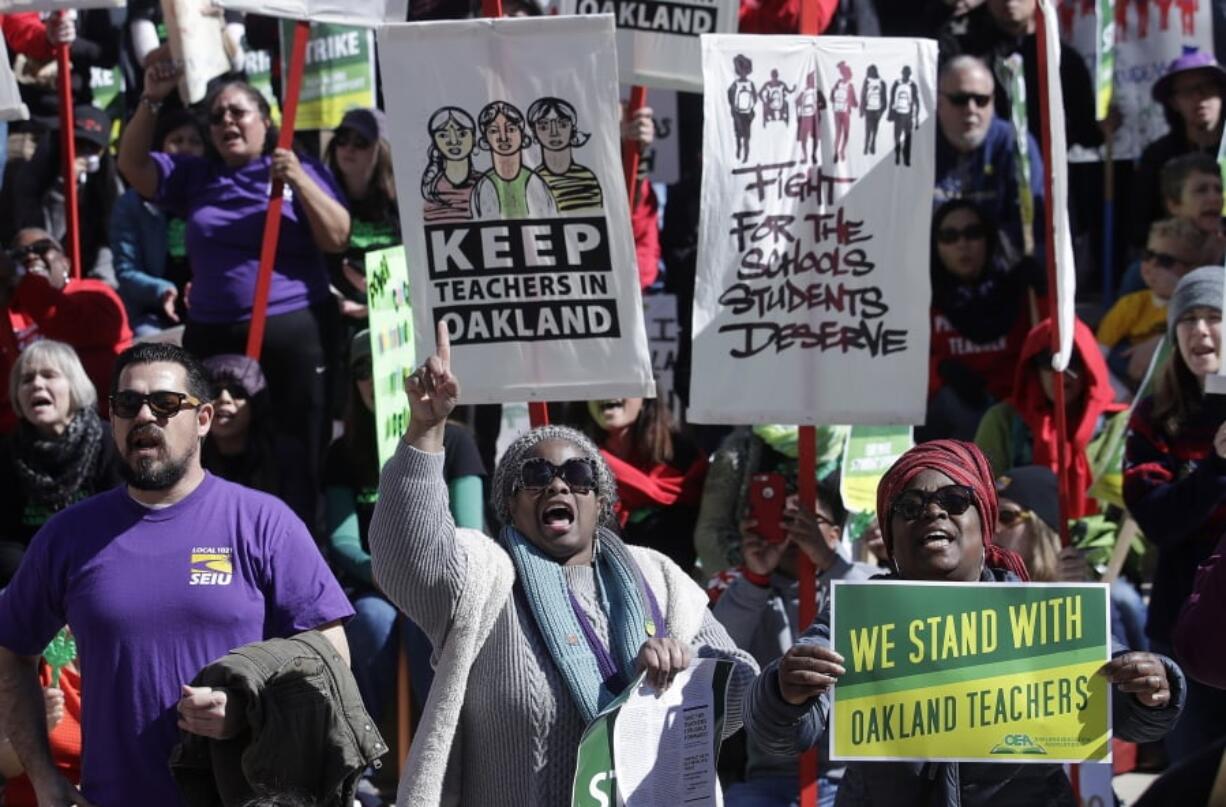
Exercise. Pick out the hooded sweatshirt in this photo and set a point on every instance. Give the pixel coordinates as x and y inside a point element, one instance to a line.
<point>1022,429</point>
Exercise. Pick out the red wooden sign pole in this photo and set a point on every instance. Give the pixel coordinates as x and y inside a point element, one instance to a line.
<point>272,223</point>
<point>68,150</point>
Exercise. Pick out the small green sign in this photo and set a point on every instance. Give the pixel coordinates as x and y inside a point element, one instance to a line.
<point>391,343</point>
<point>871,450</point>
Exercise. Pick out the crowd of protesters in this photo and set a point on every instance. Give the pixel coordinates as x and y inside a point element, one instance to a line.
<point>240,580</point>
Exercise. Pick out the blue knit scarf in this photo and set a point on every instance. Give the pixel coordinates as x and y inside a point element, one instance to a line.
<point>618,587</point>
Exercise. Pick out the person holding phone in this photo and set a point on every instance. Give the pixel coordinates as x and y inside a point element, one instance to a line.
<point>535,630</point>
<point>938,510</point>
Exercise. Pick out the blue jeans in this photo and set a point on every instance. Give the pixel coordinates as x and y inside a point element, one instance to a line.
<point>372,646</point>
<point>1128,614</point>
<point>777,791</point>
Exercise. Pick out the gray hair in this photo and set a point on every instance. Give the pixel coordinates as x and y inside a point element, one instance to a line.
<point>81,392</point>
<point>965,62</point>
<point>506,475</point>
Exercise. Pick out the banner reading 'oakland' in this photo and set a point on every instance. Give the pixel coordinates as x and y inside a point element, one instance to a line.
<point>511,191</point>
<point>657,41</point>
<point>818,163</point>
<point>986,672</point>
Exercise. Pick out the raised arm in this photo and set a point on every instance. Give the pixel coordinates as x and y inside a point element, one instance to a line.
<point>415,556</point>
<point>137,167</point>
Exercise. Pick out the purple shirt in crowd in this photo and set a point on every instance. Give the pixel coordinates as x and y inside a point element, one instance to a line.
<point>225,209</point>
<point>152,597</point>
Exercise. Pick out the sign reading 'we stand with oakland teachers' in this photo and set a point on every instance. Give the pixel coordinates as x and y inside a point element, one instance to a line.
<point>988,672</point>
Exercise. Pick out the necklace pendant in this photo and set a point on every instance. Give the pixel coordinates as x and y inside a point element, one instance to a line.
<point>650,626</point>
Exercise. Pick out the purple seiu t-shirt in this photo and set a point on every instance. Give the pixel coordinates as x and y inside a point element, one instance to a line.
<point>225,209</point>
<point>154,596</point>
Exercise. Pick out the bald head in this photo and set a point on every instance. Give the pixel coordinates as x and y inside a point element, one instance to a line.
<point>964,107</point>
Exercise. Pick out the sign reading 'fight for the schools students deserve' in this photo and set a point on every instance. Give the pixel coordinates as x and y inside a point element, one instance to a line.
<point>511,190</point>
<point>986,672</point>
<point>818,164</point>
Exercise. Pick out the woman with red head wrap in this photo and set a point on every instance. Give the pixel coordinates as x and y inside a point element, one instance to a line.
<point>937,507</point>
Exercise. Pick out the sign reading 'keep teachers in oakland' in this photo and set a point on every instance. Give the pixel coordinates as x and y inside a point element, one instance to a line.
<point>818,162</point>
<point>511,191</point>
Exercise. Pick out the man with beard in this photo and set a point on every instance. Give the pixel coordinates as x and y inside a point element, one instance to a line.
<point>157,578</point>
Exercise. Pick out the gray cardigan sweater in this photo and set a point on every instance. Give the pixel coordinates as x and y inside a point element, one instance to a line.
<point>499,726</point>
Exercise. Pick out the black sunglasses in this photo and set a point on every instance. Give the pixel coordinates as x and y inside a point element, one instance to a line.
<point>953,499</point>
<point>1009,517</point>
<point>346,137</point>
<point>971,232</point>
<point>1162,259</point>
<point>579,474</point>
<point>218,116</point>
<point>964,98</point>
<point>40,248</point>
<point>162,403</point>
<point>237,392</point>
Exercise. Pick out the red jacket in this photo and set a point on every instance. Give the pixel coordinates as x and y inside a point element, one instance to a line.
<point>781,16</point>
<point>25,33</point>
<point>86,314</point>
<point>994,361</point>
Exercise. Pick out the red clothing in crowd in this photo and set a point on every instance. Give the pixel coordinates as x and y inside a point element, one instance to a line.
<point>65,740</point>
<point>26,34</point>
<point>781,16</point>
<point>86,314</point>
<point>1201,619</point>
<point>658,486</point>
<point>645,223</point>
<point>993,361</point>
<point>1032,404</point>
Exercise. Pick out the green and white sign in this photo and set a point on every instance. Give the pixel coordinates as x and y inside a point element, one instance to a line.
<point>339,74</point>
<point>257,64</point>
<point>1012,75</point>
<point>1104,56</point>
<point>984,672</point>
<point>391,343</point>
<point>871,450</point>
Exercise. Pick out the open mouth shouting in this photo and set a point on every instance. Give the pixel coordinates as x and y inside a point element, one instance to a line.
<point>557,517</point>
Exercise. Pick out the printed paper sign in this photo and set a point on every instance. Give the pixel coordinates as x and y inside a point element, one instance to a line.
<point>391,344</point>
<point>662,159</point>
<point>345,12</point>
<point>657,41</point>
<point>818,169</point>
<point>683,726</point>
<point>663,339</point>
<point>511,191</point>
<point>1148,36</point>
<point>983,672</point>
<point>339,73</point>
<point>870,452</point>
<point>194,29</point>
<point>15,6</point>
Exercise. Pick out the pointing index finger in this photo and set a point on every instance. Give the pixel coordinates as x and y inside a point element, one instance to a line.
<point>444,344</point>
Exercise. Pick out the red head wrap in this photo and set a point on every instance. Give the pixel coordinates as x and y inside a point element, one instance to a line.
<point>965,464</point>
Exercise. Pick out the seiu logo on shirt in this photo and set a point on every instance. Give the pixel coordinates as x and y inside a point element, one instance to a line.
<point>211,566</point>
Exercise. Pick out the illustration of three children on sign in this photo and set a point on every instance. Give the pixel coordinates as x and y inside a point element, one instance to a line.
<point>454,190</point>
<point>902,103</point>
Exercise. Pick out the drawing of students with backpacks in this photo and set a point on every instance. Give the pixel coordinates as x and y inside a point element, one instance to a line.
<point>809,105</point>
<point>843,99</point>
<point>904,111</point>
<point>872,107</point>
<point>742,96</point>
<point>774,97</point>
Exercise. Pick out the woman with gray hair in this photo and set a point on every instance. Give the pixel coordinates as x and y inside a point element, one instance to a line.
<point>61,452</point>
<point>535,631</point>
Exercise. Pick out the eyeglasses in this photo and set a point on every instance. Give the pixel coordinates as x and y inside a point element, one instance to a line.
<point>536,474</point>
<point>1009,517</point>
<point>162,403</point>
<point>1162,259</point>
<point>963,98</point>
<point>952,235</point>
<point>953,499</point>
<point>40,248</point>
<point>218,116</point>
<point>347,137</point>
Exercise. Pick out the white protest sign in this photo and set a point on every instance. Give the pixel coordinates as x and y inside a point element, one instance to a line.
<point>194,29</point>
<point>512,195</point>
<point>812,300</point>
<point>657,41</point>
<point>344,12</point>
<point>11,106</point>
<point>1148,37</point>
<point>664,340</point>
<point>15,6</point>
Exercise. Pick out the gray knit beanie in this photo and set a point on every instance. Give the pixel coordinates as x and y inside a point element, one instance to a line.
<point>1200,287</point>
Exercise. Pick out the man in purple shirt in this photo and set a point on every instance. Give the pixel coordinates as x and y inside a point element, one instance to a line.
<point>157,579</point>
